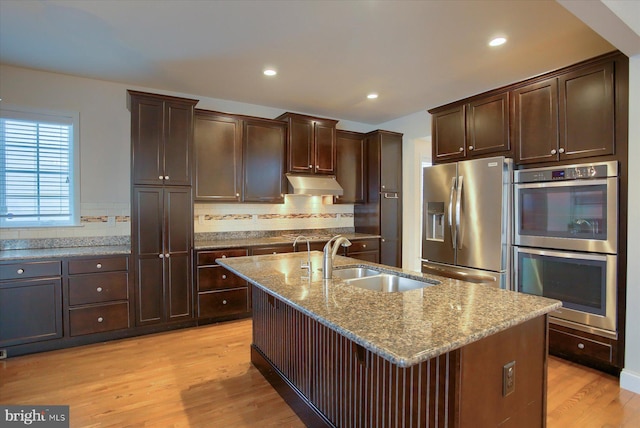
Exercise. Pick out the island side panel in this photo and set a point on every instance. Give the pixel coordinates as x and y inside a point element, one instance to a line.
<point>345,383</point>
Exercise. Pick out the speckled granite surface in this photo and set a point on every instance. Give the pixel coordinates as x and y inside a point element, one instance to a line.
<point>405,328</point>
<point>56,253</point>
<point>283,238</point>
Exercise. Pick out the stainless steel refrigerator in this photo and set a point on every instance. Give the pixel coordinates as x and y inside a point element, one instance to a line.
<point>467,220</point>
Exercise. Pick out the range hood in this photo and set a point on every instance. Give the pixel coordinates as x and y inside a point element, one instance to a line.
<point>314,185</point>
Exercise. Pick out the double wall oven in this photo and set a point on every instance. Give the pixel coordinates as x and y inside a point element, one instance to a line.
<point>566,241</point>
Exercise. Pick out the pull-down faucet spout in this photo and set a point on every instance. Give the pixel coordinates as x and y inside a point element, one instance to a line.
<point>329,253</point>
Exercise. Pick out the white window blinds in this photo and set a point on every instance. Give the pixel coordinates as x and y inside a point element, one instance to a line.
<point>36,169</point>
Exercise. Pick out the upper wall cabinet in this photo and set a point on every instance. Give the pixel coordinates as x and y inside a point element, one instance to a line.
<point>161,135</point>
<point>311,145</point>
<point>218,157</point>
<point>472,129</point>
<point>350,168</point>
<point>567,117</point>
<point>239,158</point>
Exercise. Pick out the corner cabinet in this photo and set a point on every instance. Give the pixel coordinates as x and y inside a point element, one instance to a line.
<point>311,144</point>
<point>382,212</point>
<point>161,134</point>
<point>350,166</point>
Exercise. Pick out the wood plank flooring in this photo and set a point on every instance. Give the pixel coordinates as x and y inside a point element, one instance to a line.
<point>203,377</point>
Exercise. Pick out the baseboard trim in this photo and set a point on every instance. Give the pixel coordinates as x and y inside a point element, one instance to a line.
<point>630,381</point>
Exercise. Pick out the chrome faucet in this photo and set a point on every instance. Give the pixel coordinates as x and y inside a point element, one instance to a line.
<point>329,252</point>
<point>302,264</point>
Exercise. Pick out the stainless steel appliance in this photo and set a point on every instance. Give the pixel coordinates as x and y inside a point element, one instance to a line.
<point>467,220</point>
<point>566,241</point>
<point>568,207</point>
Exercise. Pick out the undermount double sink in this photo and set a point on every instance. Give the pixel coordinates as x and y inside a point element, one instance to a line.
<point>376,280</point>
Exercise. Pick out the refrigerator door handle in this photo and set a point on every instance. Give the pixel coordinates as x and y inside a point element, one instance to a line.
<point>451,230</point>
<point>458,211</point>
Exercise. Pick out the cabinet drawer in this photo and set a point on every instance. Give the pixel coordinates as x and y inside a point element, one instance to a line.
<point>209,257</point>
<point>275,249</point>
<point>105,264</point>
<point>22,270</point>
<point>217,277</point>
<point>367,256</point>
<point>97,288</point>
<point>222,303</point>
<point>364,245</point>
<point>97,319</point>
<point>563,343</point>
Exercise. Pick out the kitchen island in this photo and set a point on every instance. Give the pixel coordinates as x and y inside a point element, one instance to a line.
<point>449,354</point>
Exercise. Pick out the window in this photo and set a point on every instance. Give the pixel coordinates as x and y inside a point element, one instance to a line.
<point>38,161</point>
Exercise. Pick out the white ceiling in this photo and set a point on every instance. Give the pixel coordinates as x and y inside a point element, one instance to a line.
<point>329,54</point>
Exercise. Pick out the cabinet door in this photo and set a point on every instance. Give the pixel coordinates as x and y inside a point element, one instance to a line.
<point>178,129</point>
<point>587,123</point>
<point>488,125</point>
<point>390,162</point>
<point>264,154</point>
<point>325,147</point>
<point>218,157</point>
<point>148,252</point>
<point>178,238</point>
<point>147,117</point>
<point>449,134</point>
<point>391,229</point>
<point>300,150</point>
<point>535,122</point>
<point>350,166</point>
<point>30,311</point>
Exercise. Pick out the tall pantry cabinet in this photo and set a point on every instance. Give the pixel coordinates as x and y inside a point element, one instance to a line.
<point>162,206</point>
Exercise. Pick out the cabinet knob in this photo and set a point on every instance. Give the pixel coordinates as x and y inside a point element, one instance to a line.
<point>580,345</point>
<point>224,256</point>
<point>382,239</point>
<point>159,177</point>
<point>384,187</point>
<point>166,177</point>
<point>100,319</point>
<point>161,256</point>
<point>553,151</point>
<point>461,149</point>
<point>310,166</point>
<point>166,256</point>
<point>224,302</point>
<point>20,271</point>
<point>364,245</point>
<point>99,289</point>
<point>99,266</point>
<point>224,276</point>
<point>275,252</point>
<point>470,147</point>
<point>560,150</point>
<point>237,195</point>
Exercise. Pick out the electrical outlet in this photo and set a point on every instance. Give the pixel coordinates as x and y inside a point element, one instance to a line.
<point>3,354</point>
<point>508,378</point>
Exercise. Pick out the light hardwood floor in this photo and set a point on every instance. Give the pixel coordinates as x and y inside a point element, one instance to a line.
<point>202,377</point>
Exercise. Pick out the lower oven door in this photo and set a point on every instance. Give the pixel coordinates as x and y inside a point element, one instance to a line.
<point>584,282</point>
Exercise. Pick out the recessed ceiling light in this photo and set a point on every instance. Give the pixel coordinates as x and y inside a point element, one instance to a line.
<point>372,96</point>
<point>270,72</point>
<point>497,41</point>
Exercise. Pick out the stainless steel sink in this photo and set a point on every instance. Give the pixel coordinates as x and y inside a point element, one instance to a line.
<point>357,272</point>
<point>388,283</point>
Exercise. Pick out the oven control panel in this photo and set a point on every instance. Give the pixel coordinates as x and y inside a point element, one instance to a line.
<point>568,172</point>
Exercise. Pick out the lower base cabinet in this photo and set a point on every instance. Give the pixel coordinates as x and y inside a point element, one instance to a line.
<point>584,348</point>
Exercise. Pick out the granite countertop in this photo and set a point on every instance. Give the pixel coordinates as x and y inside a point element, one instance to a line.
<point>56,253</point>
<point>405,328</point>
<point>272,240</point>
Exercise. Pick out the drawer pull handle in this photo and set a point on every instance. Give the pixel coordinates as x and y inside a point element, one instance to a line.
<point>99,266</point>
<point>364,245</point>
<point>100,319</point>
<point>99,289</point>
<point>224,302</point>
<point>580,345</point>
<point>20,271</point>
<point>224,276</point>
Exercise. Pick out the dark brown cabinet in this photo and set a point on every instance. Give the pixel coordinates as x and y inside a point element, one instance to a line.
<point>218,157</point>
<point>98,295</point>
<point>30,302</point>
<point>221,293</point>
<point>161,244</point>
<point>350,166</point>
<point>161,133</point>
<point>449,135</point>
<point>311,144</point>
<point>566,117</point>
<point>264,148</point>
<point>364,249</point>
<point>382,212</point>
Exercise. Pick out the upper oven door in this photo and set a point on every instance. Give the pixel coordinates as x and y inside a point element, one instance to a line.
<point>580,215</point>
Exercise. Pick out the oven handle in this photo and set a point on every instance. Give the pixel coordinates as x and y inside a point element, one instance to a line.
<point>567,183</point>
<point>561,254</point>
<point>451,231</point>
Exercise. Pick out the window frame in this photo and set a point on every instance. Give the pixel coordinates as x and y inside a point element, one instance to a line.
<point>8,111</point>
